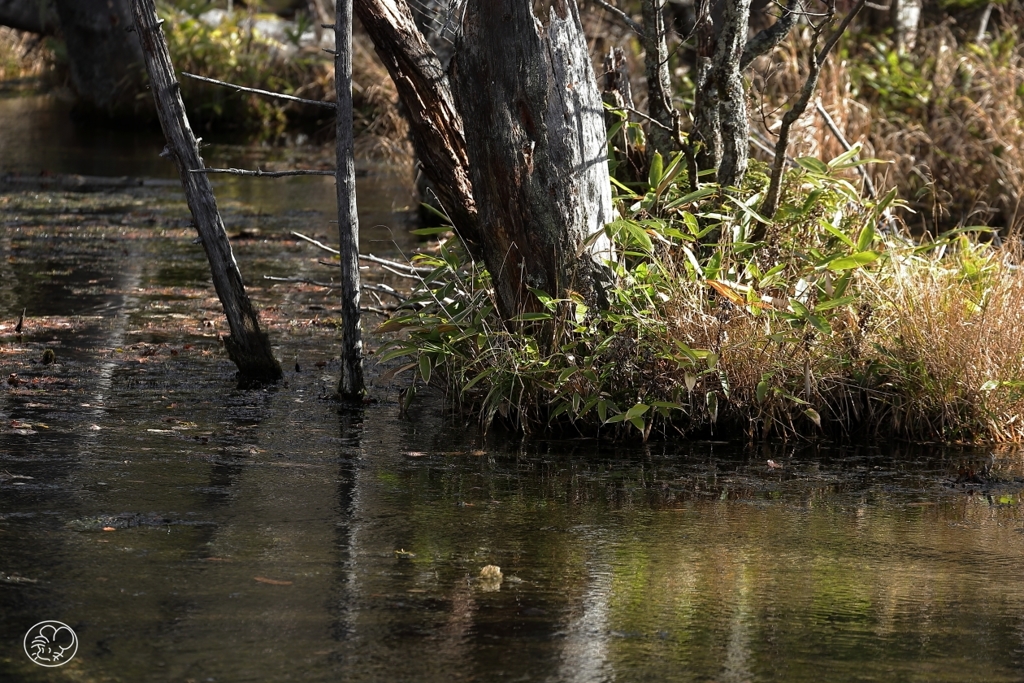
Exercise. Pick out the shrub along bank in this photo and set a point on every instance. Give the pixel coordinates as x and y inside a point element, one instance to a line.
<point>828,320</point>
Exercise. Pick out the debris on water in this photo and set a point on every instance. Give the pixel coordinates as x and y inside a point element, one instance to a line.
<point>490,578</point>
<point>127,520</point>
<point>15,580</point>
<point>272,582</point>
<point>403,554</point>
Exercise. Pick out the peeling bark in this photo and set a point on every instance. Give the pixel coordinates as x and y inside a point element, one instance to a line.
<point>537,146</point>
<point>436,126</point>
<point>247,345</point>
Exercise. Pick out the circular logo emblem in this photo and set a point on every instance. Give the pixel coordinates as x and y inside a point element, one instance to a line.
<point>51,643</point>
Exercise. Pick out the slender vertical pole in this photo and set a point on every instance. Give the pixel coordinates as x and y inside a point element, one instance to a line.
<point>351,385</point>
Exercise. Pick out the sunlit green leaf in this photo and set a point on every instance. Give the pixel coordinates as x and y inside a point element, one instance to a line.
<point>854,261</point>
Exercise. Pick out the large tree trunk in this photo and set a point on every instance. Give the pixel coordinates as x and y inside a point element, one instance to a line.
<point>34,16</point>
<point>536,142</point>
<point>106,63</point>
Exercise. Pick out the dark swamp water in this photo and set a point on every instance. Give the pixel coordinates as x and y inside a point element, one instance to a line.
<point>264,536</point>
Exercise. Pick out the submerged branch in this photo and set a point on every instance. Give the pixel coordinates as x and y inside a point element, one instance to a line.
<point>257,91</point>
<point>383,289</point>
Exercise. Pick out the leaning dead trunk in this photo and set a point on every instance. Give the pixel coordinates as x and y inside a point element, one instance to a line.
<point>247,346</point>
<point>536,142</point>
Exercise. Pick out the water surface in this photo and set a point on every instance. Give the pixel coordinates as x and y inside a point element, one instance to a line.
<point>269,536</point>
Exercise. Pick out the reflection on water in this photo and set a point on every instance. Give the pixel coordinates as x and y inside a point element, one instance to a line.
<point>267,551</point>
<point>264,536</point>
<point>37,136</point>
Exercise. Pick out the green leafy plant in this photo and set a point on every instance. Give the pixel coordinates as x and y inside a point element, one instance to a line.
<point>772,328</point>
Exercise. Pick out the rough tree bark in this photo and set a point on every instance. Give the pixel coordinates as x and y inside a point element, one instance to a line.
<point>732,99</point>
<point>106,66</point>
<point>721,128</point>
<point>351,385</point>
<point>659,88</point>
<point>436,126</point>
<point>536,143</point>
<point>247,346</point>
<point>706,138</point>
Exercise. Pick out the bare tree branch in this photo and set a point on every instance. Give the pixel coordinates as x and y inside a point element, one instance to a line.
<point>257,91</point>
<point>261,174</point>
<point>768,38</point>
<point>383,289</point>
<point>628,20</point>
<point>771,200</point>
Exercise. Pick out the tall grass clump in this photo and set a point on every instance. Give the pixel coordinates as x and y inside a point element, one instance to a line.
<point>828,320</point>
<point>948,115</point>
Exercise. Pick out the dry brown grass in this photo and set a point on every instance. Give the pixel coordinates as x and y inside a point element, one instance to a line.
<point>383,132</point>
<point>952,342</point>
<point>23,55</point>
<point>957,155</point>
<point>931,350</point>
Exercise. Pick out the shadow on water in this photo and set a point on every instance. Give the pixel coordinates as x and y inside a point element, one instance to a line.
<point>189,531</point>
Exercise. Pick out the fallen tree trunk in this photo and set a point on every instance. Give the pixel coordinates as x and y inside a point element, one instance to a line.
<point>247,346</point>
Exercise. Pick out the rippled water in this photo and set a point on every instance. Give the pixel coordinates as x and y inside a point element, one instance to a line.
<point>266,536</point>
